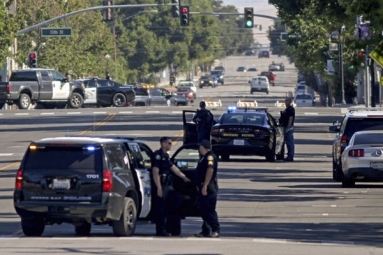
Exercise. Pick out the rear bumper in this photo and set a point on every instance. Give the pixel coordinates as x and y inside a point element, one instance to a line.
<point>363,174</point>
<point>259,89</point>
<point>261,148</point>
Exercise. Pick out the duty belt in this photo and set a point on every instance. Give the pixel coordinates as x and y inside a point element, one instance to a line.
<point>166,179</point>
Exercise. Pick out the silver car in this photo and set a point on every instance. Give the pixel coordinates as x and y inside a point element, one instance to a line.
<point>362,159</point>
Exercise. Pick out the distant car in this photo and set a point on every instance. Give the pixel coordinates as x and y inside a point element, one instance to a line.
<point>249,52</point>
<point>207,80</point>
<point>274,67</point>
<point>103,92</point>
<point>263,54</point>
<point>219,75</point>
<point>186,92</point>
<point>270,75</point>
<point>259,83</point>
<point>241,69</point>
<point>362,159</point>
<point>220,68</point>
<point>252,69</point>
<point>301,88</point>
<point>188,84</point>
<point>304,100</point>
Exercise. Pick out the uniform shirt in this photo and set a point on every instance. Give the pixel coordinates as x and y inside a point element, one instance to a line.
<point>209,160</point>
<point>162,161</point>
<point>207,119</point>
<point>287,113</point>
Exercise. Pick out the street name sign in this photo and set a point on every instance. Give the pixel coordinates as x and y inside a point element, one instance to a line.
<point>56,31</point>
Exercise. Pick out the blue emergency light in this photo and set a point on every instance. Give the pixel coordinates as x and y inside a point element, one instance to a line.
<point>90,148</point>
<point>231,109</point>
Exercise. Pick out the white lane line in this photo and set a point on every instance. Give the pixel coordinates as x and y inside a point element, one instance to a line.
<point>125,112</point>
<point>22,113</point>
<point>264,240</point>
<point>47,113</point>
<point>6,154</point>
<point>311,113</point>
<point>73,112</point>
<point>99,112</point>
<point>337,242</point>
<point>176,112</point>
<point>1,114</point>
<point>152,112</point>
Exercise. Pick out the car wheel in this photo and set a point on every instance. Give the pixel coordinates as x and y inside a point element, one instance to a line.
<point>126,225</point>
<point>338,173</point>
<point>33,226</point>
<point>24,101</point>
<point>267,92</point>
<point>251,92</point>
<point>83,229</point>
<point>76,100</point>
<point>119,100</point>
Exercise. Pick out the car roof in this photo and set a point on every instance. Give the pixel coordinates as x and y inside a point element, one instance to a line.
<point>75,140</point>
<point>114,137</point>
<point>260,76</point>
<point>369,132</point>
<point>364,112</point>
<point>33,69</point>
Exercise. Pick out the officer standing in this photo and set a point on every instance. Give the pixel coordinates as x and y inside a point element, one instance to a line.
<point>206,177</point>
<point>162,168</point>
<point>287,121</point>
<point>107,76</point>
<point>204,120</point>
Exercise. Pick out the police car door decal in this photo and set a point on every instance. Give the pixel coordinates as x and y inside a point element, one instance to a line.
<point>91,92</point>
<point>60,90</point>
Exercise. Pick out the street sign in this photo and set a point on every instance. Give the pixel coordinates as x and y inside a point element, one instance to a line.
<point>56,31</point>
<point>377,54</point>
<point>334,37</point>
<point>285,36</point>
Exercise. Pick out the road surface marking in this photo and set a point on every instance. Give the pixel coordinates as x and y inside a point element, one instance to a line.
<point>176,111</point>
<point>73,112</point>
<point>311,113</point>
<point>6,154</point>
<point>22,113</point>
<point>99,112</point>
<point>47,113</point>
<point>152,112</point>
<point>125,112</point>
<point>9,166</point>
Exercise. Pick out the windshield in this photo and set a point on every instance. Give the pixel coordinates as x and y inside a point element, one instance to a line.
<point>359,124</point>
<point>242,118</point>
<point>304,96</point>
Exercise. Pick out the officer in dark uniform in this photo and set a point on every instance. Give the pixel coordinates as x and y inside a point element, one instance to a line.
<point>287,122</point>
<point>107,76</point>
<point>206,177</point>
<point>204,120</point>
<point>162,168</point>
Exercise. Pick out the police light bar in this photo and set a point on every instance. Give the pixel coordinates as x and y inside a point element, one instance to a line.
<point>258,109</point>
<point>231,108</point>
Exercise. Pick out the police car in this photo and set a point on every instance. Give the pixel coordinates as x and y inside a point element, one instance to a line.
<point>242,131</point>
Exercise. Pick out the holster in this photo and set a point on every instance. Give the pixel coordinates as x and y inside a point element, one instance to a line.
<point>166,179</point>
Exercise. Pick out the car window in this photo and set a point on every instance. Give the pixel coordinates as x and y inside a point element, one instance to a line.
<point>90,84</point>
<point>147,156</point>
<point>265,73</point>
<point>302,87</point>
<point>370,139</point>
<point>155,92</point>
<point>136,156</point>
<point>57,76</point>
<point>191,156</point>
<point>23,76</point>
<point>262,79</point>
<point>271,120</point>
<point>116,156</point>
<point>242,118</point>
<point>303,97</point>
<point>141,92</point>
<point>183,89</point>
<point>45,76</point>
<point>164,92</point>
<point>63,158</point>
<point>359,124</point>
<point>103,83</point>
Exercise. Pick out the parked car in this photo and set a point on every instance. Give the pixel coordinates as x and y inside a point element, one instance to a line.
<point>147,96</point>
<point>208,80</point>
<point>241,69</point>
<point>188,84</point>
<point>252,69</point>
<point>186,92</point>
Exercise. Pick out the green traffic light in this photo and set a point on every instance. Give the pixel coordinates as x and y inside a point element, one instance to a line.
<point>249,23</point>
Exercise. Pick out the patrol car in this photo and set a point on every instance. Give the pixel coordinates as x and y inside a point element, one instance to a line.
<point>242,131</point>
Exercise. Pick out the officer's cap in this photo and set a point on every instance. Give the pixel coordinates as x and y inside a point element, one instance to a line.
<point>202,104</point>
<point>206,144</point>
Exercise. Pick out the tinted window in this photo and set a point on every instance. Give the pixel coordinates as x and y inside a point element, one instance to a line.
<point>23,76</point>
<point>141,92</point>
<point>359,124</point>
<point>186,84</point>
<point>302,87</point>
<point>242,118</point>
<point>265,73</point>
<point>369,139</point>
<point>304,96</point>
<point>155,92</point>
<point>136,155</point>
<point>90,84</point>
<point>63,158</point>
<point>45,76</point>
<point>116,156</point>
<point>104,83</point>
<point>183,89</point>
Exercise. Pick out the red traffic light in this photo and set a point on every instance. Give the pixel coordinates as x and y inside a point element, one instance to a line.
<point>360,54</point>
<point>184,10</point>
<point>32,55</point>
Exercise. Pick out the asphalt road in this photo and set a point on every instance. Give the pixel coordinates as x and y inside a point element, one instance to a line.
<point>264,208</point>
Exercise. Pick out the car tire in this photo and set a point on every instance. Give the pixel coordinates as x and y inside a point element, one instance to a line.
<point>267,92</point>
<point>126,225</point>
<point>119,100</point>
<point>24,101</point>
<point>75,101</point>
<point>83,229</point>
<point>338,173</point>
<point>33,226</point>
<point>251,92</point>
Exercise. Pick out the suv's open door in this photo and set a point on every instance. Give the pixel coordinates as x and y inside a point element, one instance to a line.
<point>190,128</point>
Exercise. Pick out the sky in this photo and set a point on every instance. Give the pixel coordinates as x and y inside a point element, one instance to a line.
<point>260,7</point>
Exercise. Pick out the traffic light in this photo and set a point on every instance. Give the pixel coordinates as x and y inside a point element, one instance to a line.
<point>107,13</point>
<point>184,15</point>
<point>32,59</point>
<point>172,79</point>
<point>249,18</point>
<point>176,8</point>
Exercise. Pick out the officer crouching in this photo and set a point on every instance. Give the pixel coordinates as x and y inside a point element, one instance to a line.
<point>206,177</point>
<point>162,176</point>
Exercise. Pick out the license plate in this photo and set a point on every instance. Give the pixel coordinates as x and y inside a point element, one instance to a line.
<point>377,165</point>
<point>239,142</point>
<point>61,184</point>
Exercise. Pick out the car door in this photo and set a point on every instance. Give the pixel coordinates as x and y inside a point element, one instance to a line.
<point>90,92</point>
<point>61,88</point>
<point>105,90</point>
<point>45,88</point>
<point>279,134</point>
<point>186,158</point>
<point>189,127</point>
<point>156,98</point>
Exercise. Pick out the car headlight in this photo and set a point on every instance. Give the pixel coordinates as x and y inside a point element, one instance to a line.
<point>210,82</point>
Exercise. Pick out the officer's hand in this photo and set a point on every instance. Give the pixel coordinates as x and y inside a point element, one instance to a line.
<point>204,190</point>
<point>186,179</point>
<point>159,192</point>
<point>198,119</point>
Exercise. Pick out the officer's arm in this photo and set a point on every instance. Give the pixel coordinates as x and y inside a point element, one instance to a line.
<point>195,117</point>
<point>178,172</point>
<point>208,176</point>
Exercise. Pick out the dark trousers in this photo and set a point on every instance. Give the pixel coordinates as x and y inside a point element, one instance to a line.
<point>166,205</point>
<point>204,135</point>
<point>207,205</point>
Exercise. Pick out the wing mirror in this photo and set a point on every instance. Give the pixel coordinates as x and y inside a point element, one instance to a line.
<point>182,165</point>
<point>335,127</point>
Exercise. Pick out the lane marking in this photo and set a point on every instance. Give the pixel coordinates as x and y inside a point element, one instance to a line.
<point>311,113</point>
<point>99,124</point>
<point>73,112</point>
<point>152,112</point>
<point>125,112</point>
<point>99,112</point>
<point>22,113</point>
<point>176,111</point>
<point>9,166</point>
<point>193,153</point>
<point>47,113</point>
<point>6,154</point>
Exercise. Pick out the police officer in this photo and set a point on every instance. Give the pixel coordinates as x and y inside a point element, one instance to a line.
<point>206,178</point>
<point>287,121</point>
<point>68,77</point>
<point>162,168</point>
<point>107,76</point>
<point>204,120</point>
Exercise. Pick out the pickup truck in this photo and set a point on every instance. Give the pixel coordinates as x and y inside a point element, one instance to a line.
<point>47,87</point>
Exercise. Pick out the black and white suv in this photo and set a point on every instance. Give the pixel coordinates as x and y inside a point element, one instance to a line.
<point>356,119</point>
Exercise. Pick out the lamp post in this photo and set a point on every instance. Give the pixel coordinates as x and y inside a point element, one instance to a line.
<point>341,62</point>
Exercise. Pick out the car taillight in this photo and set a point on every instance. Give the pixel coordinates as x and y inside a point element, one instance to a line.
<point>8,88</point>
<point>19,180</point>
<point>261,132</point>
<point>107,181</point>
<point>356,153</point>
<point>343,142</point>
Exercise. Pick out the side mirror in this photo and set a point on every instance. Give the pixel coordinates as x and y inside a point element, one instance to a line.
<point>335,127</point>
<point>249,81</point>
<point>182,165</point>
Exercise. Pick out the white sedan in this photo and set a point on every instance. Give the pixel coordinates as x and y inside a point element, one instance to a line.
<point>362,160</point>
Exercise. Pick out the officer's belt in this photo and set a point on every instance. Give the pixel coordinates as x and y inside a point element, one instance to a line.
<point>166,179</point>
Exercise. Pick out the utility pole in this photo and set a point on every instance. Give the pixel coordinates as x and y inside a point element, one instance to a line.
<point>367,80</point>
<point>341,71</point>
<point>372,75</point>
<point>360,88</point>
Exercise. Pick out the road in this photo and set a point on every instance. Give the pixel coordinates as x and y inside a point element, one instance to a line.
<point>264,208</point>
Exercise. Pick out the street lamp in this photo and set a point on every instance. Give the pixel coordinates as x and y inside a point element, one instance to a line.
<point>138,13</point>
